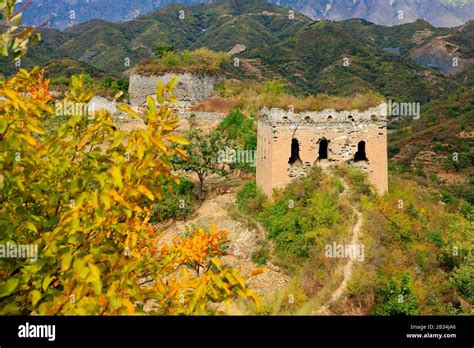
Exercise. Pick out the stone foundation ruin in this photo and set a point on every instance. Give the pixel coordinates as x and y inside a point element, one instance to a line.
<point>191,88</point>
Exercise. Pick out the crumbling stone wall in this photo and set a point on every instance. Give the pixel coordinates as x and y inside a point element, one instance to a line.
<point>191,88</point>
<point>343,130</point>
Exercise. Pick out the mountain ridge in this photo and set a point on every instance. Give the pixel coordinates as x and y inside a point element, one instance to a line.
<point>440,13</point>
<point>308,55</point>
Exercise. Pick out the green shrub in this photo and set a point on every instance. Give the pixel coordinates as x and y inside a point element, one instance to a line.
<point>337,183</point>
<point>163,50</point>
<point>463,280</point>
<point>199,61</point>
<point>274,88</point>
<point>113,86</point>
<point>177,203</point>
<point>250,198</point>
<point>397,297</point>
<point>303,216</point>
<point>393,150</point>
<point>241,134</point>
<point>261,254</point>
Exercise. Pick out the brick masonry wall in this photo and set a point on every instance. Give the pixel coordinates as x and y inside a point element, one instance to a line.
<point>344,130</point>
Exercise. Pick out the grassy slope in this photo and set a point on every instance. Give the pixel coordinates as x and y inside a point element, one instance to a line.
<point>412,241</point>
<point>443,129</point>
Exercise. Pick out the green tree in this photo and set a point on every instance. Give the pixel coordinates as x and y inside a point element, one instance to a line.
<point>202,155</point>
<point>240,133</point>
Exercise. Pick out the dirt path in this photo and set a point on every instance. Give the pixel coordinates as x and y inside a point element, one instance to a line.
<point>264,280</point>
<point>347,269</point>
<point>349,265</point>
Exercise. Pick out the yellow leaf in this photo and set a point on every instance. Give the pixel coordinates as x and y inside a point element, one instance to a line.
<point>117,197</point>
<point>46,281</point>
<point>117,177</point>
<point>231,279</point>
<point>35,129</point>
<point>241,281</point>
<point>159,92</point>
<point>216,262</point>
<point>35,296</point>
<point>172,84</point>
<point>161,146</point>
<point>31,226</point>
<point>178,139</point>
<point>66,262</point>
<point>182,153</point>
<point>151,104</point>
<point>257,271</point>
<point>128,110</point>
<point>129,305</point>
<point>160,286</point>
<point>143,190</point>
<point>28,138</point>
<point>118,95</point>
<point>83,141</point>
<point>254,298</point>
<point>106,201</point>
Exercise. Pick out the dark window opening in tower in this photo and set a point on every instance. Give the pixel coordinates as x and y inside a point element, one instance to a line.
<point>295,152</point>
<point>323,149</point>
<point>360,154</point>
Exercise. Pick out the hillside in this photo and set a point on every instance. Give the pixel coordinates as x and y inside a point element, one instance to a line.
<point>308,55</point>
<point>426,147</point>
<point>66,67</point>
<point>407,248</point>
<point>328,58</point>
<point>466,77</point>
<point>116,47</point>
<point>450,52</point>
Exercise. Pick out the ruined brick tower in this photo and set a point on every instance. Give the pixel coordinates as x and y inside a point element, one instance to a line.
<point>289,143</point>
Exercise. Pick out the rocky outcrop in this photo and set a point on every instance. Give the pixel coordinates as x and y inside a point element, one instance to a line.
<point>441,54</point>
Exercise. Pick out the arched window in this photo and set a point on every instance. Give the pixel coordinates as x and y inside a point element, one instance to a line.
<point>323,149</point>
<point>295,152</point>
<point>360,154</point>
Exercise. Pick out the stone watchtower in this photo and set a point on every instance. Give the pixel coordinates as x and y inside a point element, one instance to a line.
<point>289,143</point>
